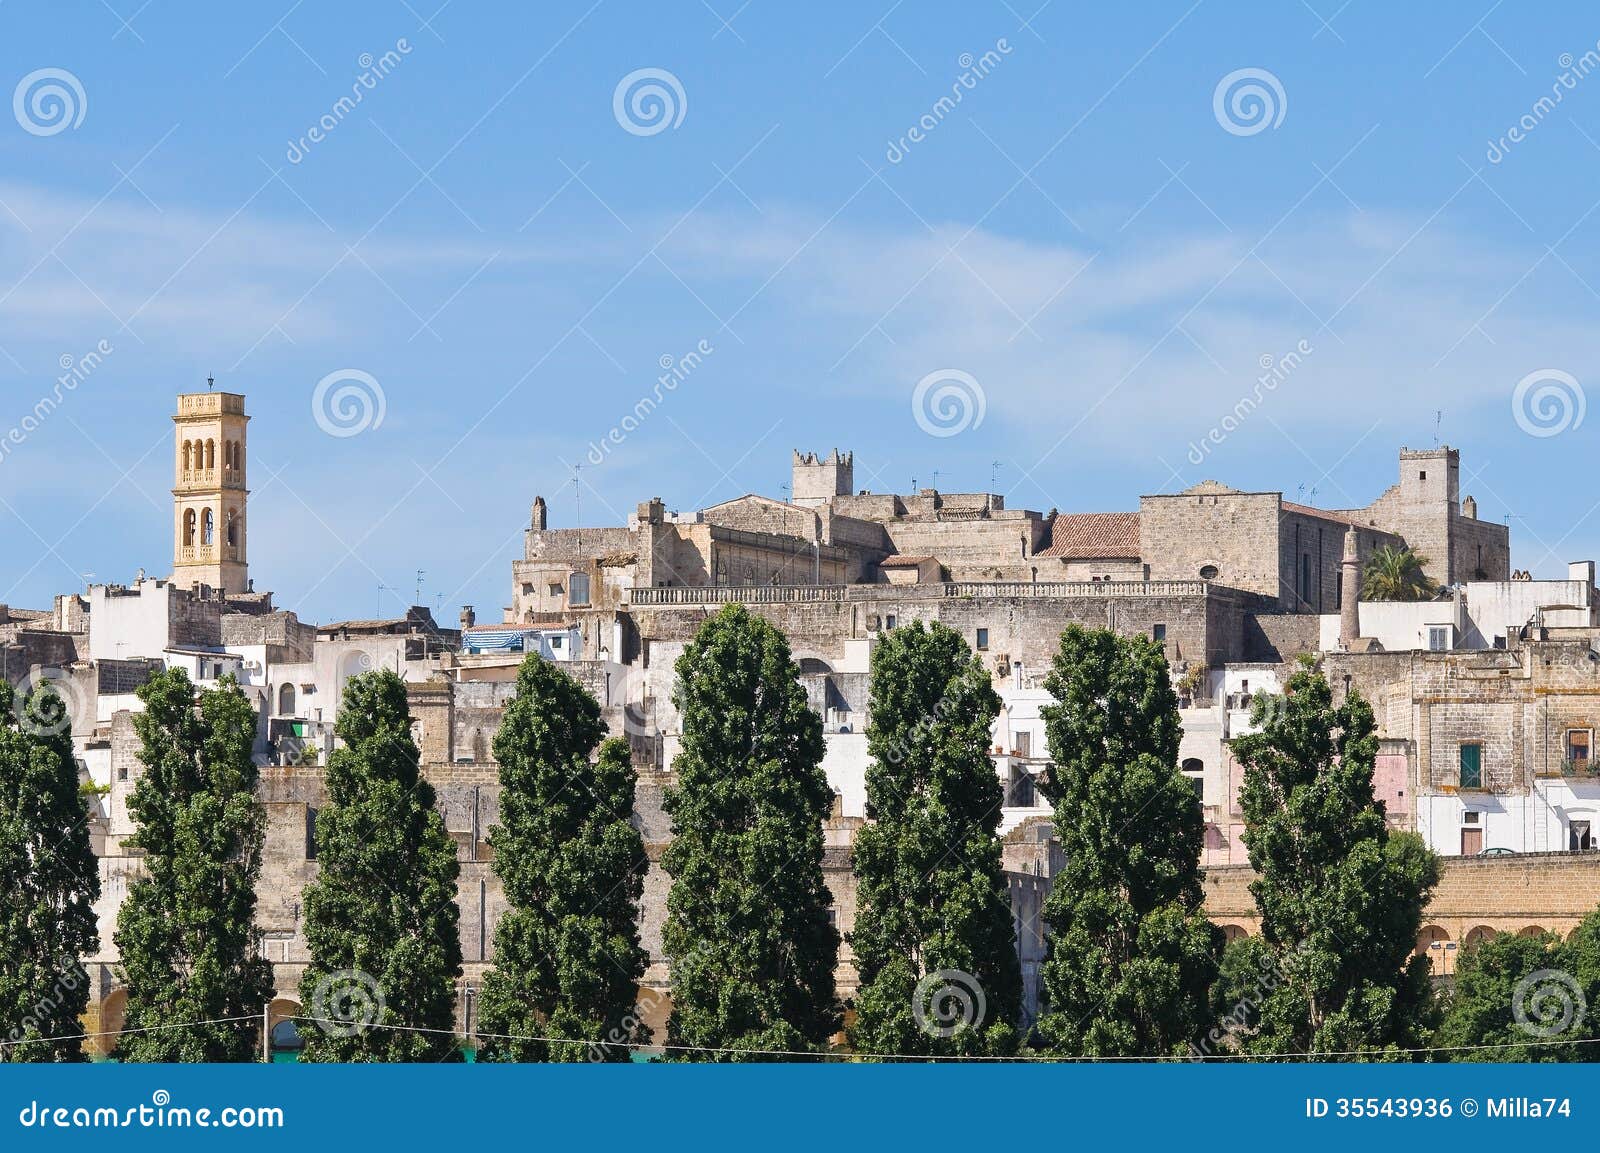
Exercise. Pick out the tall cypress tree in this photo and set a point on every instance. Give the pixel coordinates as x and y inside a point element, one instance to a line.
<point>747,934</point>
<point>189,946</point>
<point>49,881</point>
<point>566,952</point>
<point>381,917</point>
<point>934,940</point>
<point>1341,898</point>
<point>1131,954</point>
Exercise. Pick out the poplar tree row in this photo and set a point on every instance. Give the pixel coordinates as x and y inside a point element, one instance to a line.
<point>1133,968</point>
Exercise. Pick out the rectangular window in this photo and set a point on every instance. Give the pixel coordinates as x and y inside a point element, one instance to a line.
<point>1158,633</point>
<point>889,621</point>
<point>1472,766</point>
<point>1578,747</point>
<point>1578,837</point>
<point>1023,743</point>
<point>1438,638</point>
<point>578,589</point>
<point>983,639</point>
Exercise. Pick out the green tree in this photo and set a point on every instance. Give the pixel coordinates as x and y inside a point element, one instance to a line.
<point>1341,897</point>
<point>566,952</point>
<point>747,934</point>
<point>1527,999</point>
<point>186,934</point>
<point>933,939</point>
<point>1131,954</point>
<point>1396,574</point>
<point>381,917</point>
<point>1503,989</point>
<point>49,881</point>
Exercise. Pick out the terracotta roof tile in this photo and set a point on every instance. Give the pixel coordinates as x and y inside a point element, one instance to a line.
<point>1094,536</point>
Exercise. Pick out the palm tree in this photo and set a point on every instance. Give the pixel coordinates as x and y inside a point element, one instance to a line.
<point>1396,574</point>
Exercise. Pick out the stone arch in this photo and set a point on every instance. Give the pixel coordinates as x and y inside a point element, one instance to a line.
<point>1232,933</point>
<point>188,528</point>
<point>1531,931</point>
<point>1434,943</point>
<point>1478,935</point>
<point>285,1032</point>
<point>188,456</point>
<point>231,534</point>
<point>113,1015</point>
<point>354,663</point>
<point>813,665</point>
<point>211,454</point>
<point>208,528</point>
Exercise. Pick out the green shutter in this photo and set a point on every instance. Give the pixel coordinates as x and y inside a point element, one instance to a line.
<point>1471,766</point>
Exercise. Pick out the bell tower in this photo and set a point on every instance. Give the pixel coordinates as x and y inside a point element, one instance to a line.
<point>209,497</point>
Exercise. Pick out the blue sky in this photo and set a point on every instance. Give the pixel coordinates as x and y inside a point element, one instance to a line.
<point>1105,256</point>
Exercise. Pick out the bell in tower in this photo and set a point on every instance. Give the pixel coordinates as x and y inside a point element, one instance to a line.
<point>209,496</point>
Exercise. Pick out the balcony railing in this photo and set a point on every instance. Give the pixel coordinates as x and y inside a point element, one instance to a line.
<point>781,594</point>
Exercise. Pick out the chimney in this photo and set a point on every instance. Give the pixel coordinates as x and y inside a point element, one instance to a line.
<point>539,516</point>
<point>1350,591</point>
<point>468,617</point>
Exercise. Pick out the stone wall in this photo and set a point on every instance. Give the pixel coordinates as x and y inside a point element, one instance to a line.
<point>1551,891</point>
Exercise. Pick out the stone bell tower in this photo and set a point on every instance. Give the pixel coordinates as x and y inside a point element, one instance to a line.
<point>209,494</point>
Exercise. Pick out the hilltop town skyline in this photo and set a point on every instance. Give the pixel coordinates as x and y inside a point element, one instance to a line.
<point>1112,254</point>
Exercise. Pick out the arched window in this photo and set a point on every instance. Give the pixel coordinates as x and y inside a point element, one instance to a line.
<point>578,589</point>
<point>286,700</point>
<point>208,529</point>
<point>211,454</point>
<point>233,529</point>
<point>188,456</point>
<point>188,528</point>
